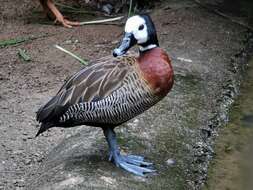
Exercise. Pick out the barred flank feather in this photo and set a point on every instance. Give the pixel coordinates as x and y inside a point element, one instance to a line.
<point>122,105</point>
<point>109,92</point>
<point>90,84</point>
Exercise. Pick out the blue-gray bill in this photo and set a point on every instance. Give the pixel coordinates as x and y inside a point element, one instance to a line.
<point>127,42</point>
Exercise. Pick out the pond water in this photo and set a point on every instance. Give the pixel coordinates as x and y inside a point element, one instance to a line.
<point>232,167</point>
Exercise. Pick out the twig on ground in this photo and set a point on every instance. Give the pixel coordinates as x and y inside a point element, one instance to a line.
<point>83,62</point>
<point>224,15</point>
<point>102,21</point>
<point>24,55</point>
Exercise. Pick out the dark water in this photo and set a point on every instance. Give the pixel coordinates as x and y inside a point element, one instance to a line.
<point>232,168</point>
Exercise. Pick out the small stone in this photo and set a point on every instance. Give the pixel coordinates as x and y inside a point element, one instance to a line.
<point>107,8</point>
<point>108,180</point>
<point>115,42</point>
<point>37,155</point>
<point>28,162</point>
<point>69,182</point>
<point>39,159</point>
<point>170,162</point>
<point>68,42</point>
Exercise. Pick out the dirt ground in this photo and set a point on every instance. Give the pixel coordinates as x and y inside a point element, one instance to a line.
<point>25,86</point>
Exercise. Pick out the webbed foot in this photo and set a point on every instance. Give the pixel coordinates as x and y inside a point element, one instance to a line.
<point>131,163</point>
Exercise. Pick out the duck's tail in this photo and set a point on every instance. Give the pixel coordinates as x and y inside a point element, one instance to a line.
<point>44,127</point>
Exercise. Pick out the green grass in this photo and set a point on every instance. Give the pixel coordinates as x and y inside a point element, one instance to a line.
<point>19,40</point>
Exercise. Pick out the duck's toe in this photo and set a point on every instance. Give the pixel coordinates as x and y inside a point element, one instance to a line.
<point>136,160</point>
<point>133,164</point>
<point>137,170</point>
<point>135,157</point>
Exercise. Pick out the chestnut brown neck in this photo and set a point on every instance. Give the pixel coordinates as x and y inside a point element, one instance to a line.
<point>156,69</point>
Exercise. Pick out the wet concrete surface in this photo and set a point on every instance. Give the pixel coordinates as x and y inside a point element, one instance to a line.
<point>232,166</point>
<point>203,48</point>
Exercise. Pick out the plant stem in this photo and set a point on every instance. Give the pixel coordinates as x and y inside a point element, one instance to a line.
<point>83,62</point>
<point>102,21</point>
<point>130,8</point>
<point>17,41</point>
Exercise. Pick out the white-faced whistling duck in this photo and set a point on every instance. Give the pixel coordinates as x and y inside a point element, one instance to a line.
<point>112,91</point>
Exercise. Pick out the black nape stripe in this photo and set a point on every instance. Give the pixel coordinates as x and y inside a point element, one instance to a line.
<point>152,37</point>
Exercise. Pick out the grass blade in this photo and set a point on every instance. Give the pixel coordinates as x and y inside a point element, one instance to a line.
<point>83,62</point>
<point>130,9</point>
<point>10,42</point>
<point>16,41</point>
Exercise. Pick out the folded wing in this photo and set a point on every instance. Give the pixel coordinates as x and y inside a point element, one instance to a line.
<point>90,84</point>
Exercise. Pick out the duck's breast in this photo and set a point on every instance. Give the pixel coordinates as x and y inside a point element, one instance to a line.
<point>156,69</point>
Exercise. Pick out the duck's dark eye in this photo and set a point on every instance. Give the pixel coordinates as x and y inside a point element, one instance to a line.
<point>141,27</point>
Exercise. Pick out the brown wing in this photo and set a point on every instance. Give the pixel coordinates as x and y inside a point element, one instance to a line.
<point>89,84</point>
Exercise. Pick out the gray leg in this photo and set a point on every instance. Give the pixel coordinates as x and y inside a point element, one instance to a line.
<point>131,163</point>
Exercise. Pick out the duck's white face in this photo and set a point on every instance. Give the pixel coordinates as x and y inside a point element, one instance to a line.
<point>137,26</point>
<point>139,30</point>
